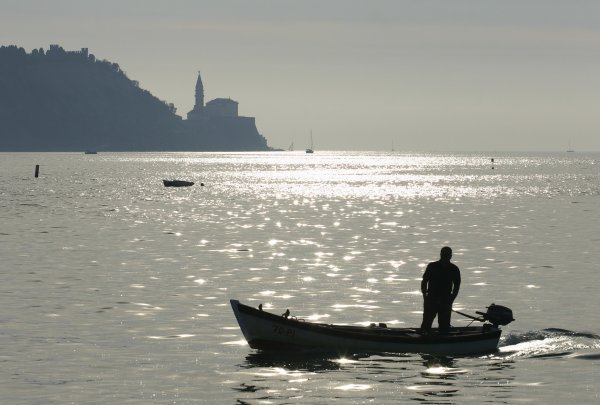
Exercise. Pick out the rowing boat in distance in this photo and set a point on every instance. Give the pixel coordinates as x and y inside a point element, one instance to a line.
<point>177,183</point>
<point>266,331</point>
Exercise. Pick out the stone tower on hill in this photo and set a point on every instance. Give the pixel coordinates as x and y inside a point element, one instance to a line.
<point>219,107</point>
<point>198,110</point>
<point>218,120</point>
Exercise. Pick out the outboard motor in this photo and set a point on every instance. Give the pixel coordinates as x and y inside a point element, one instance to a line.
<point>497,315</point>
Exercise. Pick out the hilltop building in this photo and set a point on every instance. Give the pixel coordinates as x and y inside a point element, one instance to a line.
<point>222,107</point>
<point>219,107</point>
<point>219,120</point>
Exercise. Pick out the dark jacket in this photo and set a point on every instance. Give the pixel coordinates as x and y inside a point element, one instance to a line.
<point>441,280</point>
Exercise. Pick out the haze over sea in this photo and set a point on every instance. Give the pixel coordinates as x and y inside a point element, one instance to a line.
<point>115,289</point>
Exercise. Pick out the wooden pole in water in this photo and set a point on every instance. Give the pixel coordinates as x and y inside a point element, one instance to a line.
<point>37,171</point>
<point>492,163</point>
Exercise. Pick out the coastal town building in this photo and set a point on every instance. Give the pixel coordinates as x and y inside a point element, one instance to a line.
<point>219,119</point>
<point>219,107</point>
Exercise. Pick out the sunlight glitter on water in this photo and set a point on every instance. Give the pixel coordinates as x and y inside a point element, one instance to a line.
<point>346,175</point>
<point>443,371</point>
<point>353,387</point>
<point>181,336</point>
<point>280,371</point>
<point>241,342</point>
<point>129,282</point>
<point>317,317</point>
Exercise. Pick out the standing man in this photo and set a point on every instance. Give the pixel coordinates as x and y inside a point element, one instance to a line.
<point>440,285</point>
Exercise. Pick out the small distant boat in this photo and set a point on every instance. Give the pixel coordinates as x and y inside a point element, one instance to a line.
<point>310,150</point>
<point>90,152</point>
<point>267,331</point>
<point>177,183</point>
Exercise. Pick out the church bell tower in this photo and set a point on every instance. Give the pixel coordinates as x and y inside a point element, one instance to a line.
<point>199,94</point>
<point>197,112</point>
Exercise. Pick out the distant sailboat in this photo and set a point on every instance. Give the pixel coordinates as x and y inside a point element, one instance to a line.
<point>310,150</point>
<point>291,148</point>
<point>569,149</point>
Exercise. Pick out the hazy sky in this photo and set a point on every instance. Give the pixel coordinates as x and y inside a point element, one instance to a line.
<point>421,75</point>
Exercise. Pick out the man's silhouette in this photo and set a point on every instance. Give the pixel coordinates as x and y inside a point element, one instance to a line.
<point>440,285</point>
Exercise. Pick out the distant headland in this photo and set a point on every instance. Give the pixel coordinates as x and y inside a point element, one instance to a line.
<point>59,100</point>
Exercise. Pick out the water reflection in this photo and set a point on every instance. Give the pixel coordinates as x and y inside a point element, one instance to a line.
<point>437,379</point>
<point>312,362</point>
<point>319,378</point>
<point>430,360</point>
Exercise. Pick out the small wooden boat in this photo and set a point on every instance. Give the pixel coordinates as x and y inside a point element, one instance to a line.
<point>177,183</point>
<point>267,331</point>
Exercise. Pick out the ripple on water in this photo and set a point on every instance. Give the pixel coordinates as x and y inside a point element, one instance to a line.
<point>343,239</point>
<point>181,336</point>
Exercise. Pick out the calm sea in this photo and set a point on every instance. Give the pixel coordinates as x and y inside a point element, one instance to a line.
<point>115,289</point>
